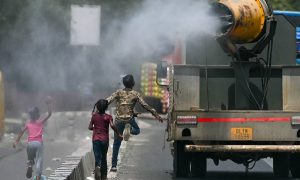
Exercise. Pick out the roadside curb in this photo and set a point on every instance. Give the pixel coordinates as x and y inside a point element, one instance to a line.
<point>76,166</point>
<point>6,147</point>
<point>80,164</point>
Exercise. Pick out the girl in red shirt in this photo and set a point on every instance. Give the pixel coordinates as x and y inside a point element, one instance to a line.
<point>99,124</point>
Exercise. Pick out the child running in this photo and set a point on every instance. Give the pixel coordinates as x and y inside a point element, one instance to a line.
<point>99,124</point>
<point>126,100</point>
<point>35,127</point>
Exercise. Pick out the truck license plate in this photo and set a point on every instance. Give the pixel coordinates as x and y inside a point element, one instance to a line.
<point>241,133</point>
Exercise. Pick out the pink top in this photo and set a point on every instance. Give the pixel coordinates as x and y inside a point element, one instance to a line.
<point>35,130</point>
<point>101,126</point>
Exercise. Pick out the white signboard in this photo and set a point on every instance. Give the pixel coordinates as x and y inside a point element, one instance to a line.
<point>85,25</point>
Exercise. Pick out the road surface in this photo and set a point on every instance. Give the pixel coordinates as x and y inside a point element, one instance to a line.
<point>144,159</point>
<point>60,140</point>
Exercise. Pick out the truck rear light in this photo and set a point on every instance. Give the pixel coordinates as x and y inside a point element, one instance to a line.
<point>186,120</point>
<point>296,120</point>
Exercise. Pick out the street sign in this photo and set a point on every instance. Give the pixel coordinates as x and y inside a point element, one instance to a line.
<point>85,25</point>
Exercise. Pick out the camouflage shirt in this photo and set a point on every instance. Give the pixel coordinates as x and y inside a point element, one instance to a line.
<point>125,101</point>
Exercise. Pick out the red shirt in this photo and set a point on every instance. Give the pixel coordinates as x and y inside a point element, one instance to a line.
<point>100,124</point>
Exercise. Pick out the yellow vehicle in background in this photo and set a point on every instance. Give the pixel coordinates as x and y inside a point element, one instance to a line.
<point>150,89</point>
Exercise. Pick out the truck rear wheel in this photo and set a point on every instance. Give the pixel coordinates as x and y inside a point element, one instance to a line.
<point>281,167</point>
<point>295,165</point>
<point>198,165</point>
<point>181,163</point>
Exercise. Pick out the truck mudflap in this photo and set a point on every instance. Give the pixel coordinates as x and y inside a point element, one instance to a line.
<point>242,148</point>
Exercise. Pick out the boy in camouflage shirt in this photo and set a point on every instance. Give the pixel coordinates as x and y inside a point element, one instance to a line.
<point>126,99</point>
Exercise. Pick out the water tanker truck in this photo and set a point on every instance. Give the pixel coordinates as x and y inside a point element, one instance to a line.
<point>236,98</point>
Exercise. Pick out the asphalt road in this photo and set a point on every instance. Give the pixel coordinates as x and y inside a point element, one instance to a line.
<point>60,140</point>
<point>13,167</point>
<point>141,158</point>
<point>144,159</point>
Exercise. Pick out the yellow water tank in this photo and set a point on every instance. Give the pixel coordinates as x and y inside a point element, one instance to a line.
<point>243,21</point>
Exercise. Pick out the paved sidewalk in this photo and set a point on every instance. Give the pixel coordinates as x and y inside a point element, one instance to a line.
<point>12,127</point>
<point>122,153</point>
<point>58,121</point>
<point>111,175</point>
<point>6,143</point>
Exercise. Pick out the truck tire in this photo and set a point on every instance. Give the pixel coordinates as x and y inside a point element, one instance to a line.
<point>281,167</point>
<point>181,163</point>
<point>295,165</point>
<point>198,165</point>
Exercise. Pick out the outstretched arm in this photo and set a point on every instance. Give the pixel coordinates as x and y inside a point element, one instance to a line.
<point>19,137</point>
<point>149,108</point>
<point>112,97</point>
<point>48,102</point>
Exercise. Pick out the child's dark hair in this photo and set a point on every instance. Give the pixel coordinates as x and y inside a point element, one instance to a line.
<point>101,105</point>
<point>34,113</point>
<point>128,81</point>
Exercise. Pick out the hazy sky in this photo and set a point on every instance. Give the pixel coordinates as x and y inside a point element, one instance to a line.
<point>45,58</point>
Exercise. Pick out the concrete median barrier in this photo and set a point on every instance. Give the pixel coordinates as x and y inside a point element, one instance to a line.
<point>74,168</point>
<point>80,163</point>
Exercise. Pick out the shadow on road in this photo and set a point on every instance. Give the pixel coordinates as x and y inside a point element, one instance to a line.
<point>236,176</point>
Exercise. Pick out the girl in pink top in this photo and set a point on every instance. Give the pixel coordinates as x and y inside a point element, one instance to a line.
<point>35,127</point>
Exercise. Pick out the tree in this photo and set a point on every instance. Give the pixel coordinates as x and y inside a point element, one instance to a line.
<point>291,5</point>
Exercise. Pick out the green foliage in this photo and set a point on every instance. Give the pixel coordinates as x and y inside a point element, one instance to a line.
<point>12,12</point>
<point>291,5</point>
<point>9,11</point>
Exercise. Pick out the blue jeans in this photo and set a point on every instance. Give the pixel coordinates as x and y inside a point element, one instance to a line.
<point>100,152</point>
<point>135,130</point>
<point>35,154</point>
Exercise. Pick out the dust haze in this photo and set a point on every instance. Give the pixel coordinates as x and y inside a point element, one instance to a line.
<point>41,59</point>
